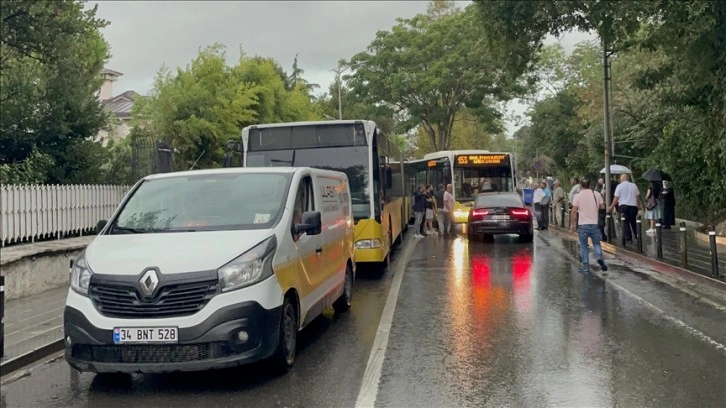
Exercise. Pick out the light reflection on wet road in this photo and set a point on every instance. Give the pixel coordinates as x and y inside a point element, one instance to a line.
<point>510,324</point>
<point>475,325</point>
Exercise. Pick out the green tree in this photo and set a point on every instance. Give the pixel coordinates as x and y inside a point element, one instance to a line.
<point>670,82</point>
<point>202,107</point>
<point>468,132</point>
<point>51,57</point>
<point>428,68</point>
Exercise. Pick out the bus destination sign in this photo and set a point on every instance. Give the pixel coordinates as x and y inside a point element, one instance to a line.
<point>482,160</point>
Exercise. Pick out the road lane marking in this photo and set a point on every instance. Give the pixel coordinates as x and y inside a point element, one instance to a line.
<point>699,334</point>
<point>695,332</point>
<point>372,376</point>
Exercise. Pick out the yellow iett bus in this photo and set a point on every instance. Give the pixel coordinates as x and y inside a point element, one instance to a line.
<point>374,166</point>
<point>469,171</point>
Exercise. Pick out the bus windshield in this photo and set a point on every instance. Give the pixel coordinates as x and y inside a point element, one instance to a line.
<point>474,174</point>
<point>323,147</point>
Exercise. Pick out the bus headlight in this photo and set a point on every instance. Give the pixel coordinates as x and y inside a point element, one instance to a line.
<point>368,244</point>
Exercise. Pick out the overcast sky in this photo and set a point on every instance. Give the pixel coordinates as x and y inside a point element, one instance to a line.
<point>143,35</point>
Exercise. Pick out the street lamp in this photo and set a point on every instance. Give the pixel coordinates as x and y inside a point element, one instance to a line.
<point>339,70</point>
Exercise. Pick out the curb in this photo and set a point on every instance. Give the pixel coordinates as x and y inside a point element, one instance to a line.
<point>24,360</point>
<point>657,266</point>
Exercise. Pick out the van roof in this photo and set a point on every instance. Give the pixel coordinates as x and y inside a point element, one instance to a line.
<point>234,170</point>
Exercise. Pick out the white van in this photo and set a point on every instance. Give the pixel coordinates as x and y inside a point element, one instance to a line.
<point>210,269</point>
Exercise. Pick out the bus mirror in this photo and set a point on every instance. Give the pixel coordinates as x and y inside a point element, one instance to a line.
<point>388,176</point>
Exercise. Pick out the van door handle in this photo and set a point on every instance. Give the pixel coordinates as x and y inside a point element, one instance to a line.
<point>318,250</point>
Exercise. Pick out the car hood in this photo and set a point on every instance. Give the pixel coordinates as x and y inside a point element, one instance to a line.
<point>177,252</point>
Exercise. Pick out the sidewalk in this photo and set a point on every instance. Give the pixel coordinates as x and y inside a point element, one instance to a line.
<point>33,321</point>
<point>699,253</point>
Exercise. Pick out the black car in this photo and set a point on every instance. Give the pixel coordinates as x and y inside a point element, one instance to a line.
<point>499,213</point>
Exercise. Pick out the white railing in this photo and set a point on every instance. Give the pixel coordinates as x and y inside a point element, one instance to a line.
<point>37,212</point>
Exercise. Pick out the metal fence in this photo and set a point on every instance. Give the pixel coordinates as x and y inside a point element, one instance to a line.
<point>38,212</point>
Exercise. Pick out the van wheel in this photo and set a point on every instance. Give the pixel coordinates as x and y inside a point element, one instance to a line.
<point>344,301</point>
<point>284,357</point>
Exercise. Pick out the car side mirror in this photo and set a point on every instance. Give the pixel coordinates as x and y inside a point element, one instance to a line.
<point>100,225</point>
<point>310,223</point>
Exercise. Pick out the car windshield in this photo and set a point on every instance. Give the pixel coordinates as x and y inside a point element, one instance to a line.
<point>205,202</point>
<point>498,200</point>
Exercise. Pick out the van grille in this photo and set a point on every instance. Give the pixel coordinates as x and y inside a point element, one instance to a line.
<point>154,353</point>
<point>124,301</point>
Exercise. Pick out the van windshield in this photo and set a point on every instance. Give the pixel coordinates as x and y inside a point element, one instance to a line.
<point>205,202</point>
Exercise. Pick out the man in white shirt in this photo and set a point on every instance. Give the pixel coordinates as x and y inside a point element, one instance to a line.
<point>627,198</point>
<point>449,212</point>
<point>585,207</point>
<point>537,198</point>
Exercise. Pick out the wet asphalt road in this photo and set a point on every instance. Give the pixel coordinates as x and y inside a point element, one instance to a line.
<point>502,324</point>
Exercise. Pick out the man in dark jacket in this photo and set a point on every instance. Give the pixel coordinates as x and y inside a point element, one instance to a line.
<point>419,206</point>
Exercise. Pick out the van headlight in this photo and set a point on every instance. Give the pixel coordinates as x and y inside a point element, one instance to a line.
<point>249,268</point>
<point>81,275</point>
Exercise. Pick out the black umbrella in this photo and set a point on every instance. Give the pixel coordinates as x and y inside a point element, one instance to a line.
<point>654,175</point>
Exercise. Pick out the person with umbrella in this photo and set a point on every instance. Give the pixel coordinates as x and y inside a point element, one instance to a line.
<point>668,197</point>
<point>652,205</point>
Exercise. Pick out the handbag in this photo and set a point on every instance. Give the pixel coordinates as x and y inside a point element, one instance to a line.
<point>651,203</point>
<point>601,213</point>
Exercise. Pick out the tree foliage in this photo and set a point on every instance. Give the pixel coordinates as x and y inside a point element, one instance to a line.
<point>203,106</point>
<point>669,87</point>
<point>51,57</point>
<point>428,68</point>
<point>468,132</point>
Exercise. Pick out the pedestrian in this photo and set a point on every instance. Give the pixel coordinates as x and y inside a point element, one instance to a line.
<point>439,196</point>
<point>653,211</point>
<point>429,229</point>
<point>629,201</point>
<point>537,198</point>
<point>449,211</point>
<point>558,198</point>
<point>585,206</point>
<point>546,204</point>
<point>419,206</point>
<point>668,197</point>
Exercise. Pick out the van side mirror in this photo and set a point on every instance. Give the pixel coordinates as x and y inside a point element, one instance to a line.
<point>100,226</point>
<point>388,176</point>
<point>310,223</point>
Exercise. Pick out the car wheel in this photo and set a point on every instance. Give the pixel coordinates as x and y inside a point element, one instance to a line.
<point>343,303</point>
<point>471,235</point>
<point>284,357</point>
<point>488,238</point>
<point>527,238</point>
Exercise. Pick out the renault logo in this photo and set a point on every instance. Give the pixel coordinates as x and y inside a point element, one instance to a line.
<point>148,282</point>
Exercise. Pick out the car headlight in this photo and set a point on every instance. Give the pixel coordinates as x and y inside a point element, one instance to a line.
<point>81,275</point>
<point>249,268</point>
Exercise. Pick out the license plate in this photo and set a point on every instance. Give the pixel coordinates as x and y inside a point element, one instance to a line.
<point>145,335</point>
<point>500,217</point>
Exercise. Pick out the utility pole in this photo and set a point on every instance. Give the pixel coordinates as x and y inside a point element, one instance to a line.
<point>606,121</point>
<point>338,70</point>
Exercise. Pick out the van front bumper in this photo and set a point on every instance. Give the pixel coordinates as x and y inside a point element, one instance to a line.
<point>213,343</point>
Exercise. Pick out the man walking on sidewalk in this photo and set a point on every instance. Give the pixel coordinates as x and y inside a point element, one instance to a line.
<point>627,196</point>
<point>585,204</point>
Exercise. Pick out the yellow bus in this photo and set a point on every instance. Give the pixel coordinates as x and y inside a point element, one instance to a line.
<point>469,171</point>
<point>374,166</point>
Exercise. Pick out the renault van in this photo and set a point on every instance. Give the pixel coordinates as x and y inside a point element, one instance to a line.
<point>209,269</point>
